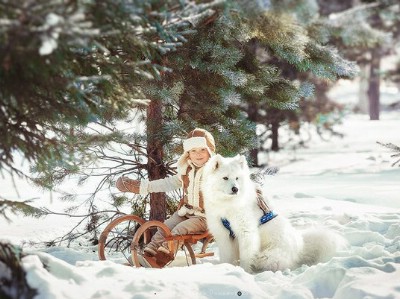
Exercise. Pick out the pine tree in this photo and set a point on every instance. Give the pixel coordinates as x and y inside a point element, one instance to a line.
<point>67,65</point>
<point>215,77</point>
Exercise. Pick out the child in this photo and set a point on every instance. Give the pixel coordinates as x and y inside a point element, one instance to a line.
<point>190,218</point>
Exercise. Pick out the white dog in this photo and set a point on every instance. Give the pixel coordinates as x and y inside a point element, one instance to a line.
<point>247,232</point>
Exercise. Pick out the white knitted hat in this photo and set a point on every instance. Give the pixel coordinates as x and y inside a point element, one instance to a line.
<point>198,138</point>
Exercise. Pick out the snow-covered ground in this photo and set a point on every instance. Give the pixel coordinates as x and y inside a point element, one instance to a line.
<point>347,185</point>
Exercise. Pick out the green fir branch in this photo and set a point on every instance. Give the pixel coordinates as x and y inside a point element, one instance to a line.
<point>19,207</point>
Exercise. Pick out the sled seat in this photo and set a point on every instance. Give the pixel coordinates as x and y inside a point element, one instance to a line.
<point>192,239</point>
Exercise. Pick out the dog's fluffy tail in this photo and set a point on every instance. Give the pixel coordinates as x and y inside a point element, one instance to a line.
<point>320,246</point>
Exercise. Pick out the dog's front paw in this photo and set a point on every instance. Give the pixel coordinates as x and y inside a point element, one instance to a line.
<point>258,266</point>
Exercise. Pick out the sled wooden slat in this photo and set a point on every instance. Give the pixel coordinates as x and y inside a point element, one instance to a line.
<point>192,238</point>
<point>204,254</point>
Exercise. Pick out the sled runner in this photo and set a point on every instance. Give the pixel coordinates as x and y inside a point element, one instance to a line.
<point>124,238</point>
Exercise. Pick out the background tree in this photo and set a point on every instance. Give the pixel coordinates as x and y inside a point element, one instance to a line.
<point>296,45</point>
<point>365,31</point>
<point>343,24</point>
<point>386,18</point>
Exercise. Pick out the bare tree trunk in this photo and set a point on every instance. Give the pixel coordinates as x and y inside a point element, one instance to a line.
<point>374,86</point>
<point>155,165</point>
<point>363,89</point>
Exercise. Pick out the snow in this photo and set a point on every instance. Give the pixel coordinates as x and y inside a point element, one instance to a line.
<point>49,43</point>
<point>347,185</point>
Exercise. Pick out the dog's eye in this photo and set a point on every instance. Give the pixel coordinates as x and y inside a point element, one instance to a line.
<point>237,178</point>
<point>225,178</point>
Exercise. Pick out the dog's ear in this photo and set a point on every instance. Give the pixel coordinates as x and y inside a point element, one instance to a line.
<point>242,160</point>
<point>216,162</point>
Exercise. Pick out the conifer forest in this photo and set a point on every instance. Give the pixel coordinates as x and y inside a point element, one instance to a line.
<point>94,90</point>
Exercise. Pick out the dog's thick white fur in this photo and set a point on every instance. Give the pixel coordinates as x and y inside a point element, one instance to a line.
<point>230,194</point>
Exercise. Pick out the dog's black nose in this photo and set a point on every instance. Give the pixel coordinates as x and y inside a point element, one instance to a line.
<point>235,189</point>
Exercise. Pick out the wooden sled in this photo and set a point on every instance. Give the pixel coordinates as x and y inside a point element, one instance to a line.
<point>124,238</point>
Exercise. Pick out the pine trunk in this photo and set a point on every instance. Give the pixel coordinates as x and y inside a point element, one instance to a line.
<point>274,117</point>
<point>274,135</point>
<point>252,112</point>
<point>374,86</point>
<point>155,164</point>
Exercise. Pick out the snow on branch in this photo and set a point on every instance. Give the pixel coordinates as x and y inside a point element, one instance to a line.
<point>72,25</point>
<point>353,10</point>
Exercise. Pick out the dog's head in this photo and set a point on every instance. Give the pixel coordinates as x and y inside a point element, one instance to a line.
<point>226,176</point>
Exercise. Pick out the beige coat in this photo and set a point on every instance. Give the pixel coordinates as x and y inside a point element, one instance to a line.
<point>192,193</point>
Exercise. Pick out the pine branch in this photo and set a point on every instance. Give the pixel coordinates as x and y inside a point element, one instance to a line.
<point>47,211</point>
<point>16,207</point>
<point>259,175</point>
<point>393,148</point>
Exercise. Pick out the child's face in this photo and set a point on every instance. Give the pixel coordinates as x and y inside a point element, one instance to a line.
<point>199,155</point>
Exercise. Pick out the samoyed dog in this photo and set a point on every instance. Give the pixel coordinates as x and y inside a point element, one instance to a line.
<point>250,234</point>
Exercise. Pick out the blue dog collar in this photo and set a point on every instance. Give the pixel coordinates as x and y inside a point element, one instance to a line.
<point>267,217</point>
<point>264,219</point>
<point>227,225</point>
